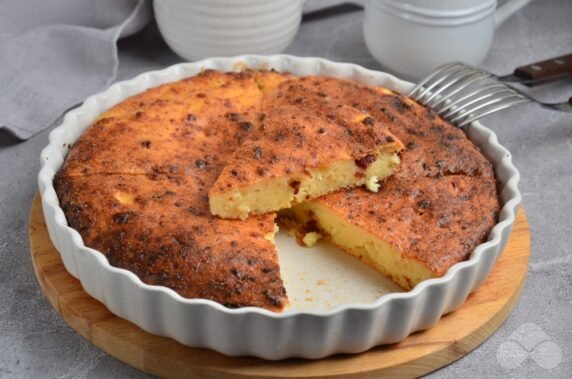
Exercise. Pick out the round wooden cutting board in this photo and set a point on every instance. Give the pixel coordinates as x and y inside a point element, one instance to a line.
<point>454,336</point>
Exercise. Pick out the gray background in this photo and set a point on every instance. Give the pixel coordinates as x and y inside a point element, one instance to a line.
<point>36,342</point>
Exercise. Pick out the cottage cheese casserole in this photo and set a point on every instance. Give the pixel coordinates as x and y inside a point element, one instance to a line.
<point>147,182</point>
<point>164,195</point>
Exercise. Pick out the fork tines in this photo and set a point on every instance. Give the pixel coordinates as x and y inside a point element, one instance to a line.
<point>452,91</point>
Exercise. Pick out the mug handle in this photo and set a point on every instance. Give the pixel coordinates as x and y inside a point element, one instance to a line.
<point>506,10</point>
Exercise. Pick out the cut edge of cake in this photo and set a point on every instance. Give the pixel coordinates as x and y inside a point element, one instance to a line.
<point>288,190</point>
<point>312,221</point>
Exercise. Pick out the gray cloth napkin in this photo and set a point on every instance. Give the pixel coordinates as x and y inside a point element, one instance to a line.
<point>55,53</point>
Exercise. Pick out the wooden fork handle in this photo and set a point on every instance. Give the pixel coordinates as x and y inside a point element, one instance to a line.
<point>547,70</point>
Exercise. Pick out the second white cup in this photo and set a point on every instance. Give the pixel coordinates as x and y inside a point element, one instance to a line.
<point>413,37</point>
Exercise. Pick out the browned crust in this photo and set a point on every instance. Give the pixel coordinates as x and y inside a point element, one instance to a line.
<point>164,149</point>
<point>437,221</point>
<point>302,129</point>
<point>168,128</point>
<point>433,147</point>
<point>161,158</point>
<point>437,156</point>
<point>167,237</point>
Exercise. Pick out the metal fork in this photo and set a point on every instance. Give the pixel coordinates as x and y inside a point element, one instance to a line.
<point>448,92</point>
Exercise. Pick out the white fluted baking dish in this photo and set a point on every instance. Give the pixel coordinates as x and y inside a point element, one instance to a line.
<point>304,331</point>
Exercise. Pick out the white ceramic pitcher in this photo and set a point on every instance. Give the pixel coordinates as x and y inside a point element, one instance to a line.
<point>413,37</point>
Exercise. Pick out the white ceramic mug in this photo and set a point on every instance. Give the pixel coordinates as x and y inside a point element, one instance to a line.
<point>197,29</point>
<point>413,37</point>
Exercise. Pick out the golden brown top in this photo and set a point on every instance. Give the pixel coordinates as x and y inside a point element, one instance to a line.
<point>441,203</point>
<point>157,227</point>
<point>135,187</point>
<point>169,129</point>
<point>433,147</point>
<point>135,184</point>
<point>435,220</point>
<point>301,128</point>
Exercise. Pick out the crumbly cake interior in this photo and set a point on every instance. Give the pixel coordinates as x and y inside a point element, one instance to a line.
<point>412,230</point>
<point>136,184</point>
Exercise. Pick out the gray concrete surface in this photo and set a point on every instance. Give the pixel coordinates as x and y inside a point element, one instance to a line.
<point>35,342</point>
